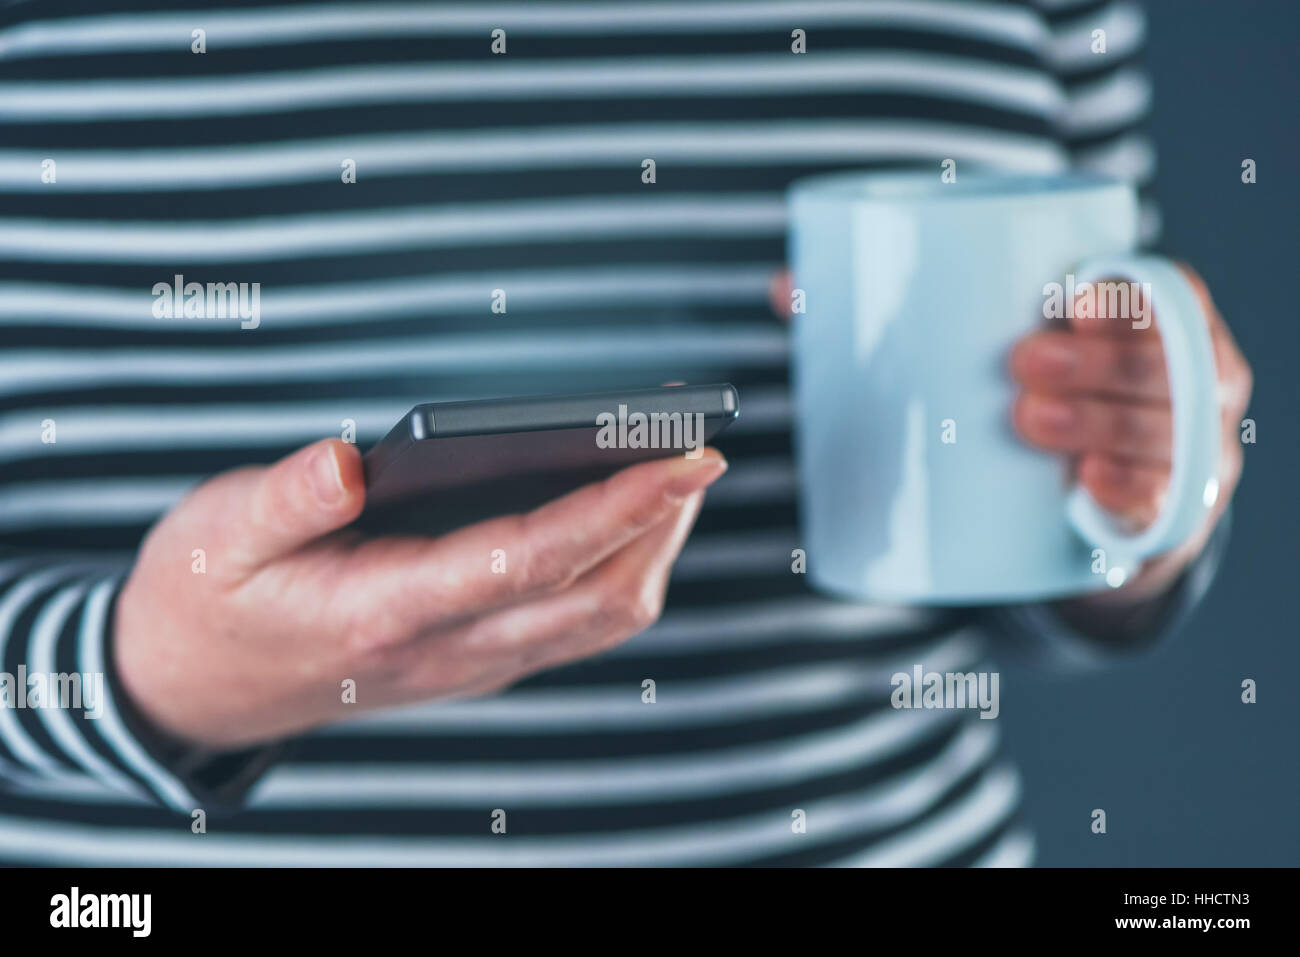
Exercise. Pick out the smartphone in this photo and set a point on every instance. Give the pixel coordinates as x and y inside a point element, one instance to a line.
<point>447,464</point>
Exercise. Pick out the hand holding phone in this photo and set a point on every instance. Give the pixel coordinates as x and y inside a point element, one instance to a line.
<point>292,603</point>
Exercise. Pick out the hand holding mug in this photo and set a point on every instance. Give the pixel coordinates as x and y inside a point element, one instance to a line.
<point>1098,392</point>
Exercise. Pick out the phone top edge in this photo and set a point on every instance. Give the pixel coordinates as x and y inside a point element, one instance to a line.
<point>534,413</point>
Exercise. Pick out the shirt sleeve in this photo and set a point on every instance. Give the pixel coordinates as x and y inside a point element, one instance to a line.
<point>66,727</point>
<point>1037,634</point>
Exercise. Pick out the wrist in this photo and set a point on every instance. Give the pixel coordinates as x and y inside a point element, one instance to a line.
<point>1141,602</point>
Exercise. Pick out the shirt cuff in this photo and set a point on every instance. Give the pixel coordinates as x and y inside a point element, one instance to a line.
<point>183,777</point>
<point>1039,634</point>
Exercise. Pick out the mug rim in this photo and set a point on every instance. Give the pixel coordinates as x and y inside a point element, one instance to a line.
<point>915,186</point>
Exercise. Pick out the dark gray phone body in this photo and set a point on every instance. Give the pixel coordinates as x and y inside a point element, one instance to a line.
<point>447,464</point>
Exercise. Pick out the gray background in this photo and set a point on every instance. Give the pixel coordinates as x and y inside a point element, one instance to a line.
<point>1187,774</point>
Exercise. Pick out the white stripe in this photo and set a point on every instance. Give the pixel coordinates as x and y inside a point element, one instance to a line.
<point>1122,98</point>
<point>57,721</point>
<point>1130,157</point>
<point>320,304</point>
<point>12,604</point>
<point>87,503</point>
<point>570,219</point>
<point>715,774</point>
<point>19,779</point>
<point>250,28</point>
<point>712,144</point>
<point>953,829</point>
<point>789,690</point>
<point>110,727</point>
<point>751,344</point>
<point>711,842</point>
<point>78,790</point>
<point>1070,49</point>
<point>748,75</point>
<point>1015,849</point>
<point>84,429</point>
<point>773,620</point>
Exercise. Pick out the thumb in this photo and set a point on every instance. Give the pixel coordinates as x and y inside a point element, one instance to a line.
<point>314,491</point>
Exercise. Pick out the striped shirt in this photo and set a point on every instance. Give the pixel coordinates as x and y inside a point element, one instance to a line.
<point>383,170</point>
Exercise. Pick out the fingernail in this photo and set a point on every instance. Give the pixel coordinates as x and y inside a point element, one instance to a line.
<point>1054,414</point>
<point>691,475</point>
<point>324,475</point>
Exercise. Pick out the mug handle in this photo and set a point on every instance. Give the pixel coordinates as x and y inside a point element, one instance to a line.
<point>1193,390</point>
